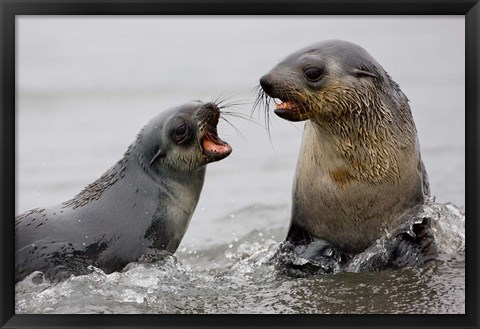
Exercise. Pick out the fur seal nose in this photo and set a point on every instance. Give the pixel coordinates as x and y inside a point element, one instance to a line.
<point>267,84</point>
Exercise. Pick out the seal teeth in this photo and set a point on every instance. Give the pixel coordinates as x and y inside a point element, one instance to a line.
<point>283,105</point>
<point>214,147</point>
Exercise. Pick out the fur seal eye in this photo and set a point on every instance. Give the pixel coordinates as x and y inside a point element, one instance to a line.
<point>313,74</point>
<point>182,133</point>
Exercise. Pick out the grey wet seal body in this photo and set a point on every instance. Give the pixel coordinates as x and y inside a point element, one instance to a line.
<point>359,170</point>
<point>139,207</point>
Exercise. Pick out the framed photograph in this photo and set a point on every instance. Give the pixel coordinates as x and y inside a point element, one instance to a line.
<point>158,160</point>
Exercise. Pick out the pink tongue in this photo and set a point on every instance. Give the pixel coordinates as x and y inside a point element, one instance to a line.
<point>212,147</point>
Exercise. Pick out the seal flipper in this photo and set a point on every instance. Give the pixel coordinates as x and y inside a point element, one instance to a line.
<point>303,255</point>
<point>413,248</point>
<point>305,260</point>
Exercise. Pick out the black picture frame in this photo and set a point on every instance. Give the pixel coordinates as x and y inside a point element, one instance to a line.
<point>10,8</point>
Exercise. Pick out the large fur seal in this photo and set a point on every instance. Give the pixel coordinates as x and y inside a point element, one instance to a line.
<point>140,206</point>
<point>359,172</point>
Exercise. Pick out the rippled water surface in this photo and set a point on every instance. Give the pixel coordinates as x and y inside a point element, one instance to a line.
<point>237,278</point>
<point>87,86</point>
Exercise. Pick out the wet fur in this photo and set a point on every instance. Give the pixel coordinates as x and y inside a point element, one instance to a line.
<point>140,206</point>
<point>359,167</point>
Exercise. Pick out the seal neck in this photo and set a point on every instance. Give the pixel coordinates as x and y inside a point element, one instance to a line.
<point>163,175</point>
<point>370,143</point>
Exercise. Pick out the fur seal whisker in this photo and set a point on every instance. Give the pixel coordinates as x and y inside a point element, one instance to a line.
<point>233,126</point>
<point>241,116</point>
<point>359,166</point>
<point>144,202</point>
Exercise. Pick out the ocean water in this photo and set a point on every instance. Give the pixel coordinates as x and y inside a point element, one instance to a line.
<point>86,86</point>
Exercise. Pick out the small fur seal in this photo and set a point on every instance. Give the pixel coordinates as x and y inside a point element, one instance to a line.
<point>359,173</point>
<point>138,208</point>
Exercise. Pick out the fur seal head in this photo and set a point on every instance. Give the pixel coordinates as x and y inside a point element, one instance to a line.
<point>184,138</point>
<point>324,80</point>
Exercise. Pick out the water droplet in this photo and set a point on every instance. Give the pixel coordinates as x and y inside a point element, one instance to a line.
<point>230,246</point>
<point>86,236</point>
<point>232,215</point>
<point>83,243</point>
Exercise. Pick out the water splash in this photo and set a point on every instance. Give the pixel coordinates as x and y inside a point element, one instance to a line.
<point>448,226</point>
<point>238,277</point>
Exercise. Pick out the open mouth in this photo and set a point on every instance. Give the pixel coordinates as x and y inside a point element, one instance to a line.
<point>288,110</point>
<point>283,105</point>
<point>213,147</point>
